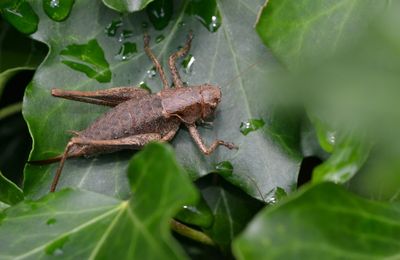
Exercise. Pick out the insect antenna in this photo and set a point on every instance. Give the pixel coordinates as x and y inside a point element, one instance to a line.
<point>241,73</point>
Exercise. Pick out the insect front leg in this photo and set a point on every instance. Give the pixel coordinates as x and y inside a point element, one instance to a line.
<point>108,97</point>
<point>172,61</point>
<point>155,61</point>
<point>130,142</point>
<point>200,143</point>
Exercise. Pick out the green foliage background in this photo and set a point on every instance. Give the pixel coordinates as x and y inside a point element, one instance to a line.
<point>300,80</point>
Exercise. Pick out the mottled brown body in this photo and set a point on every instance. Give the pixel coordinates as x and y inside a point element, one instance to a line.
<point>132,117</point>
<point>138,117</point>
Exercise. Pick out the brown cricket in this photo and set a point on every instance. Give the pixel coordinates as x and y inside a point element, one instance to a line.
<point>139,117</point>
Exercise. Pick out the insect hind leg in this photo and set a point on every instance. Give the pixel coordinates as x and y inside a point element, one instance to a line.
<point>153,58</point>
<point>172,61</point>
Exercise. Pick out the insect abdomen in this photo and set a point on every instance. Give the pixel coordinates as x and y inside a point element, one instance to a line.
<point>129,118</point>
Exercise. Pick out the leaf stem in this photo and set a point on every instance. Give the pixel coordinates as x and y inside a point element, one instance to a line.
<point>191,233</point>
<point>10,110</point>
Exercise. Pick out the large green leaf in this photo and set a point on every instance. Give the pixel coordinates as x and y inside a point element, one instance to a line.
<point>86,225</point>
<point>323,221</point>
<point>232,57</point>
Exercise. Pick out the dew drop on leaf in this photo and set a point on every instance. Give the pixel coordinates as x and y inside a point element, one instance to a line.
<point>206,11</point>
<point>160,13</point>
<point>58,10</point>
<point>151,73</point>
<point>275,195</point>
<point>125,34</point>
<point>22,17</point>
<point>111,28</point>
<point>89,59</point>
<point>127,51</point>
<point>251,125</point>
<point>188,62</point>
<point>224,168</point>
<point>55,248</point>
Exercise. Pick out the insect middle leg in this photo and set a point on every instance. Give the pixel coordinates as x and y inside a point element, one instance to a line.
<point>172,61</point>
<point>153,58</point>
<point>200,143</point>
<point>130,142</point>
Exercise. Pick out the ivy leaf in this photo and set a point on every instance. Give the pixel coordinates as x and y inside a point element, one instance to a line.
<point>9,192</point>
<point>234,59</point>
<point>127,5</point>
<point>323,221</point>
<point>348,156</point>
<point>86,225</point>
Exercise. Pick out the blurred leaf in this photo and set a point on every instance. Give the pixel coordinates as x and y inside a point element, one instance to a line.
<point>127,5</point>
<point>7,3</point>
<point>308,30</point>
<point>81,224</point>
<point>3,206</point>
<point>9,192</point>
<point>379,179</point>
<point>232,210</point>
<point>17,52</point>
<point>15,146</point>
<point>323,222</point>
<point>348,156</point>
<point>234,59</point>
<point>7,75</point>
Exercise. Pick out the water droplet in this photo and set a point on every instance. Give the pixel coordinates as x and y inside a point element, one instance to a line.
<point>275,195</point>
<point>251,125</point>
<point>199,214</point>
<point>187,63</point>
<point>127,51</point>
<point>89,59</point>
<point>160,13</point>
<point>151,73</point>
<point>22,17</point>
<point>192,209</point>
<point>215,23</point>
<point>51,221</point>
<point>58,10</point>
<point>55,248</point>
<point>143,85</point>
<point>331,137</point>
<point>111,28</point>
<point>224,168</point>
<point>206,11</point>
<point>125,34</point>
<point>160,38</point>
